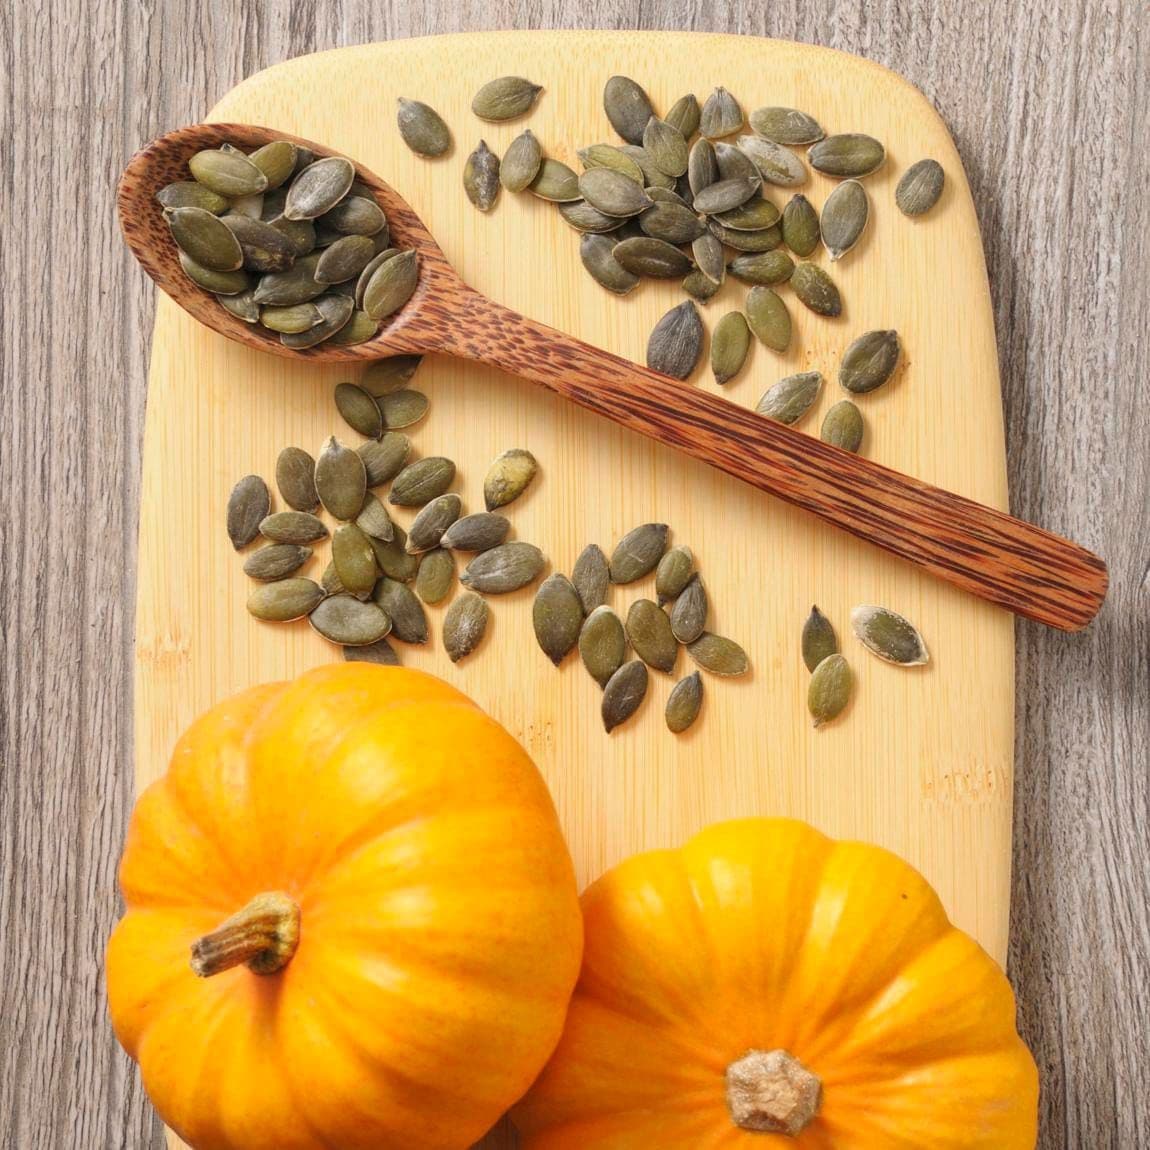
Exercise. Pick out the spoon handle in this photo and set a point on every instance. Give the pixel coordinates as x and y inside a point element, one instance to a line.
<point>1010,563</point>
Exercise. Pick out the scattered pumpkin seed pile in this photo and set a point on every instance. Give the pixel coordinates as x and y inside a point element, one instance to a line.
<point>289,242</point>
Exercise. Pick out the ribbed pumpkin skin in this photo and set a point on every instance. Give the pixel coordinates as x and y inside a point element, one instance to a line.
<point>440,928</point>
<point>763,934</point>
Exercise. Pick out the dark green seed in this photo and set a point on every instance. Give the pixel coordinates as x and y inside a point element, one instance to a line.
<point>336,310</point>
<point>849,155</point>
<point>829,690</point>
<point>729,346</point>
<point>356,216</point>
<point>689,615</point>
<point>725,195</point>
<point>392,285</point>
<point>276,160</point>
<point>734,164</point>
<point>436,575</point>
<point>220,283</point>
<point>359,409</point>
<point>672,222</point>
<point>481,177</point>
<point>344,260</point>
<point>381,652</point>
<point>318,188</point>
<point>776,164</point>
<point>791,398</point>
<point>299,317</point>
<point>408,620</point>
<point>785,126</point>
<point>870,361</point>
<point>265,249</point>
<point>229,174</point>
<point>392,556</point>
<point>598,255</point>
<point>816,289</point>
<point>300,233</point>
<point>370,268</point>
<point>761,241</point>
<point>920,188</point>
<point>285,600</point>
<point>297,527</point>
<point>248,505</point>
<point>710,258</point>
<point>521,162</point>
<point>464,625</point>
<point>699,286</point>
<point>505,568</point>
<point>359,329</point>
<point>434,519</point>
<point>627,107</point>
<point>330,581</point>
<point>652,176</point>
<point>702,166</point>
<point>584,218</point>
<point>422,481</point>
<point>591,576</point>
<point>684,703</point>
<point>296,285</point>
<point>768,318</point>
<point>843,426</point>
<point>721,115</point>
<point>624,693</point>
<point>422,128</point>
<point>242,306</point>
<point>674,572</point>
<point>276,561</point>
<point>478,532</point>
<point>557,616</point>
<point>844,218</point>
<point>819,639</point>
<point>402,408</point>
<point>206,239</point>
<point>676,343</point>
<point>666,146</point>
<point>602,644</point>
<point>766,268</point>
<point>685,116</point>
<point>556,182</point>
<point>889,636</point>
<point>508,477</point>
<point>385,459</point>
<point>391,374</point>
<point>753,216</point>
<point>340,480</point>
<point>612,192</point>
<point>505,98</point>
<point>609,156</point>
<point>649,630</point>
<point>345,620</point>
<point>718,655</point>
<point>644,256</point>
<point>192,194</point>
<point>373,519</point>
<point>638,552</point>
<point>801,226</point>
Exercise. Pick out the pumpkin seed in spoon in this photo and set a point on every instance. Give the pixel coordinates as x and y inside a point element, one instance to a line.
<point>392,285</point>
<point>344,260</point>
<point>265,249</point>
<point>355,216</point>
<point>336,311</point>
<point>291,320</point>
<point>231,283</point>
<point>206,239</point>
<point>318,188</point>
<point>192,194</point>
<point>228,174</point>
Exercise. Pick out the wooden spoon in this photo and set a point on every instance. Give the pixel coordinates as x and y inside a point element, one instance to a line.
<point>1004,560</point>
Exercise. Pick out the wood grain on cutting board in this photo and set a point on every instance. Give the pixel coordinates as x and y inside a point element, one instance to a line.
<point>922,760</point>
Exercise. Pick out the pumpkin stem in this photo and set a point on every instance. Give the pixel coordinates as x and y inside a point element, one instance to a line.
<point>772,1092</point>
<point>264,936</point>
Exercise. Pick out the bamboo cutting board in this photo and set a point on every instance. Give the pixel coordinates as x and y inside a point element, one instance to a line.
<point>922,760</point>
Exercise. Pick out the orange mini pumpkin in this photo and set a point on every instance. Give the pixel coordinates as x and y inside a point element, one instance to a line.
<point>372,873</point>
<point>767,987</point>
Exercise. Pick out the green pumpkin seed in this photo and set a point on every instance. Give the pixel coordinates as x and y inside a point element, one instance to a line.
<point>408,619</point>
<point>329,580</point>
<point>508,477</point>
<point>391,374</point>
<point>768,318</point>
<point>297,527</point>
<point>612,192</point>
<point>666,147</point>
<point>849,155</point>
<point>521,162</point>
<point>192,194</point>
<point>684,703</point>
<point>555,182</point>
<point>478,532</point>
<point>710,258</point>
<point>608,156</point>
<point>685,115</point>
<point>392,285</point>
<point>354,559</point>
<point>422,481</point>
<point>242,306</point>
<point>791,398</point>
<point>627,107</point>
<point>340,480</point>
<point>276,160</point>
<point>296,285</point>
<point>481,177</point>
<point>433,520</point>
<point>721,115</point>
<point>591,576</point>
<point>676,342</point>
<point>318,188</point>
<point>649,630</point>
<point>889,636</point>
<point>359,329</point>
<point>667,196</point>
<point>718,655</point>
<point>381,653</point>
<point>385,459</point>
<point>801,226</point>
<point>464,626</point>
<point>251,206</point>
<point>829,690</point>
<point>285,600</point>
<point>844,218</point>
<point>374,521</point>
<point>205,238</point>
<point>602,644</point>
<point>674,223</point>
<point>729,346</point>
<point>336,311</point>
<point>557,616</point>
<point>248,505</point>
<point>295,478</point>
<point>597,253</point>
<point>356,216</point>
<point>300,233</point>
<point>638,552</point>
<point>702,166</point>
<point>505,568</point>
<point>304,158</point>
<point>584,218</point>
<point>623,694</point>
<point>219,283</point>
<point>653,177</point>
<point>346,620</point>
<point>300,317</point>
<point>819,639</point>
<point>870,361</point>
<point>734,164</point>
<point>370,268</point>
<point>392,556</point>
<point>700,287</point>
<point>725,195</point>
<point>402,408</point>
<point>766,268</point>
<point>229,174</point>
<point>422,128</point>
<point>264,248</point>
<point>689,614</point>
<point>753,216</point>
<point>816,289</point>
<point>359,409</point>
<point>344,260</point>
<point>776,164</point>
<point>436,575</point>
<point>843,426</point>
<point>920,188</point>
<point>785,126</point>
<point>505,98</point>
<point>761,241</point>
<point>644,256</point>
<point>673,573</point>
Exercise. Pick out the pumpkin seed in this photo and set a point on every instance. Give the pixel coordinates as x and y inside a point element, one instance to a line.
<point>850,154</point>
<point>205,238</point>
<point>801,226</point>
<point>192,194</point>
<point>344,260</point>
<point>422,481</point>
<point>700,287</point>
<point>676,342</point>
<point>673,573</point>
<point>428,527</point>
<point>359,409</point>
<point>381,652</point>
<point>584,218</point>
<point>296,285</point>
<point>304,158</point>
<point>766,268</point>
<point>844,218</point>
<point>768,318</point>
<point>608,156</point>
<point>385,459</point>
<point>336,311</point>
<point>422,128</point>
<point>649,630</point>
<point>829,690</point>
<point>299,317</point>
<point>667,196</point>
<point>889,636</point>
<point>391,374</point>
<point>734,164</point>
<point>753,216</point>
<point>285,600</point>
<point>251,206</point>
<point>729,346</point>
<point>843,426</point>
<point>764,240</point>
<point>785,126</point>
<point>436,574</point>
<point>870,361</point>
<point>354,559</point>
<point>627,107</point>
<point>373,519</point>
<point>920,188</point>
<point>508,477</point>
<point>297,527</point>
<point>505,98</point>
<point>229,174</point>
<point>612,192</point>
<point>318,188</point>
<point>725,195</point>
<point>277,161</point>
<point>264,248</point>
<point>556,182</point>
<point>591,576</point>
<point>557,616</point>
<point>685,115</point>
<point>666,146</point>
<point>674,223</point>
<point>248,505</point>
<point>356,216</point>
<point>505,568</point>
<point>340,480</point>
<point>598,255</point>
<point>776,164</point>
<point>359,329</point>
<point>689,614</point>
<point>718,655</point>
<point>408,619</point>
<point>392,556</point>
<point>242,306</point>
<point>330,582</point>
<point>220,283</point>
<point>816,289</point>
<point>721,115</point>
<point>464,625</point>
<point>521,162</point>
<point>819,639</point>
<point>602,644</point>
<point>791,398</point>
<point>346,620</point>
<point>710,258</point>
<point>300,233</point>
<point>392,285</point>
<point>684,703</point>
<point>295,478</point>
<point>478,532</point>
<point>652,176</point>
<point>638,552</point>
<point>702,166</point>
<point>370,268</point>
<point>644,256</point>
<point>623,694</point>
<point>402,408</point>
<point>481,177</point>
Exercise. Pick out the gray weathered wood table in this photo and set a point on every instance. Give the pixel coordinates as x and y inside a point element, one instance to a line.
<point>1050,105</point>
